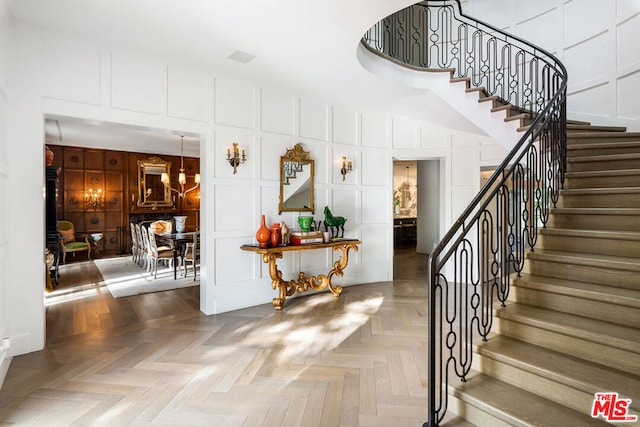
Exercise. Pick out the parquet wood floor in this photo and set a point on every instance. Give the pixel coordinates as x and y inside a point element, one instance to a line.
<point>356,360</point>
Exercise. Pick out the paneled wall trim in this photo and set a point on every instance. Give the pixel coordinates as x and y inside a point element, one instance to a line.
<point>115,174</point>
<point>143,90</point>
<point>597,42</point>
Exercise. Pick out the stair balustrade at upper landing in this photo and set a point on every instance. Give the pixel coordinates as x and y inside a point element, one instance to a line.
<point>470,269</point>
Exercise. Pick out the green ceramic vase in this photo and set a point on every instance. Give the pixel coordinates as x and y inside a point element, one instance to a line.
<point>305,223</point>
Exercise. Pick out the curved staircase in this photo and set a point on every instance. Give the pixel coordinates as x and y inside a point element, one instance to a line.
<point>534,292</point>
<point>571,326</point>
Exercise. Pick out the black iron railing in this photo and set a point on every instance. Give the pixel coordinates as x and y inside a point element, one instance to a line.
<point>471,267</point>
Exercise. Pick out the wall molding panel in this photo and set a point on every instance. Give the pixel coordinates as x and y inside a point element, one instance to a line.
<point>150,92</point>
<point>597,42</point>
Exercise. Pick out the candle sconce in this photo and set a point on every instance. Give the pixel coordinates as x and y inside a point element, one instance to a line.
<point>346,167</point>
<point>234,158</point>
<point>93,199</point>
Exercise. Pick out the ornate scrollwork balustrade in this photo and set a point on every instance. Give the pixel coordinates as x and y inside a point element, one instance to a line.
<point>471,267</point>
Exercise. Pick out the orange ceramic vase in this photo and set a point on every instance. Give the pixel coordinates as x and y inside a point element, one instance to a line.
<point>263,235</point>
<point>276,234</point>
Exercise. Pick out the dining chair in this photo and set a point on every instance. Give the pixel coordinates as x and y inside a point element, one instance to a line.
<point>134,243</point>
<point>70,241</point>
<point>192,255</point>
<point>147,249</point>
<point>142,250</point>
<point>158,254</point>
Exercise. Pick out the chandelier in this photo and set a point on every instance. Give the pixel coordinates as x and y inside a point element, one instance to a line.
<point>182,177</point>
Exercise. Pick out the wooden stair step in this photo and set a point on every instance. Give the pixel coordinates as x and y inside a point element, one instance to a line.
<point>569,325</point>
<point>485,401</point>
<point>568,380</point>
<point>607,293</point>
<point>607,242</point>
<point>605,343</point>
<point>594,268</point>
<point>621,197</point>
<point>593,260</point>
<point>596,137</point>
<point>603,179</point>
<point>595,301</point>
<point>603,162</point>
<point>578,122</point>
<point>480,89</point>
<point>493,98</point>
<point>598,218</point>
<point>579,127</point>
<point>602,148</point>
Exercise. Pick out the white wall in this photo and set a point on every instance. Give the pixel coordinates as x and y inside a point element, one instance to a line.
<point>428,205</point>
<point>5,326</point>
<point>596,40</point>
<point>53,74</point>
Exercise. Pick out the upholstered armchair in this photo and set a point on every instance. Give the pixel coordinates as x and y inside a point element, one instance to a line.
<point>72,242</point>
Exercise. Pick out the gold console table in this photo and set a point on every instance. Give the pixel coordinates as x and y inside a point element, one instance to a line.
<point>304,283</point>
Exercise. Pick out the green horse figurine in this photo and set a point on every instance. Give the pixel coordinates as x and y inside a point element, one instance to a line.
<point>333,222</point>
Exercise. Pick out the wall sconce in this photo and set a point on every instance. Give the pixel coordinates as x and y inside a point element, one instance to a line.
<point>346,167</point>
<point>234,158</point>
<point>182,177</point>
<point>93,198</point>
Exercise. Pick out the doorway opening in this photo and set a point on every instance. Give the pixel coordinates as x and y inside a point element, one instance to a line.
<point>416,215</point>
<point>104,159</point>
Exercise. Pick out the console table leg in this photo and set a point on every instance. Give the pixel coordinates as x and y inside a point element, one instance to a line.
<point>288,288</point>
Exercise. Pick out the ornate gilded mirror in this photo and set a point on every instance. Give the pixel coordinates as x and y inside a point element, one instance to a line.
<point>296,181</point>
<point>152,192</point>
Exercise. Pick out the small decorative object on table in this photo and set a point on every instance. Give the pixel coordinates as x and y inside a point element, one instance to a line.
<point>276,234</point>
<point>333,223</point>
<point>305,237</point>
<point>305,223</point>
<point>263,235</point>
<point>95,240</point>
<point>284,231</point>
<point>180,221</point>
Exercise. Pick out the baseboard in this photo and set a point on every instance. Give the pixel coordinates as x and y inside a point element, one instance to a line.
<point>5,361</point>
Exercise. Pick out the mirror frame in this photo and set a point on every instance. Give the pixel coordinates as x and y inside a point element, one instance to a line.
<point>296,154</point>
<point>155,162</point>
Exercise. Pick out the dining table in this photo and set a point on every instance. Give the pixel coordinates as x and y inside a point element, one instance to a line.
<point>176,241</point>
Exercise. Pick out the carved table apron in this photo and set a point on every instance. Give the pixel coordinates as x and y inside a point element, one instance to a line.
<point>304,283</point>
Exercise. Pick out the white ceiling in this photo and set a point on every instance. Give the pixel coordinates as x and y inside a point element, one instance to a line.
<point>306,46</point>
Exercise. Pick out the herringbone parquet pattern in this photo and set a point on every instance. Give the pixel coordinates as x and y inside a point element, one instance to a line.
<point>356,360</point>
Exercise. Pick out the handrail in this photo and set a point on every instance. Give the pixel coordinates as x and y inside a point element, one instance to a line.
<point>471,267</point>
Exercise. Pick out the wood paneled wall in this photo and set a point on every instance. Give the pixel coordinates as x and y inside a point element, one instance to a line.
<point>116,174</point>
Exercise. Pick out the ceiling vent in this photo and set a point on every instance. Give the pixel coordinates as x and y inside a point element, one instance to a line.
<point>241,56</point>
